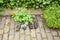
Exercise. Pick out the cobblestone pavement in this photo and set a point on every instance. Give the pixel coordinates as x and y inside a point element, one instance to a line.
<point>8,31</point>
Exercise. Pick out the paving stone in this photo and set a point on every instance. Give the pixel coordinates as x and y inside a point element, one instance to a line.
<point>22,37</point>
<point>27,37</point>
<point>47,29</point>
<point>56,38</point>
<point>34,39</point>
<point>33,34</point>
<point>5,36</point>
<point>16,36</point>
<point>59,33</point>
<point>11,37</point>
<point>54,33</point>
<point>38,34</point>
<point>45,39</point>
<point>21,31</point>
<point>12,32</point>
<point>38,30</point>
<point>6,29</point>
<point>0,19</point>
<point>39,37</point>
<point>42,16</point>
<point>22,34</point>
<point>39,18</point>
<point>40,24</point>
<point>43,33</point>
<point>27,34</point>
<point>27,31</point>
<point>7,25</point>
<point>1,31</point>
<point>0,37</point>
<point>50,37</point>
<point>2,22</point>
<point>8,22</point>
<point>40,21</point>
<point>12,24</point>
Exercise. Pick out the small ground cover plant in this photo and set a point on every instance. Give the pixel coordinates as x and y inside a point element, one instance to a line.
<point>22,17</point>
<point>52,16</point>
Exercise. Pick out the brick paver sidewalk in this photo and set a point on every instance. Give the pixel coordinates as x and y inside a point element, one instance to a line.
<point>8,31</point>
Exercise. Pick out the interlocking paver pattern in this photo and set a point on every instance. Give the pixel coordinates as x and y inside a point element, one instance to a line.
<point>8,31</point>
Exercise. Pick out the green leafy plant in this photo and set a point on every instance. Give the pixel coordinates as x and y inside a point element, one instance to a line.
<point>52,16</point>
<point>1,1</point>
<point>27,3</point>
<point>22,16</point>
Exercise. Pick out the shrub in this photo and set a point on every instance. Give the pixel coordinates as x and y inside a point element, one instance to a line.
<point>52,16</point>
<point>27,3</point>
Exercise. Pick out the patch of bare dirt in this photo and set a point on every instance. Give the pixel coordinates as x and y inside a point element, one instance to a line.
<point>10,12</point>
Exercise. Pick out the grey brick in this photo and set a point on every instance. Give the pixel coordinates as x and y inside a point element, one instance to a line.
<point>38,30</point>
<point>33,38</point>
<point>6,29</point>
<point>50,37</point>
<point>43,33</point>
<point>12,31</point>
<point>27,31</point>
<point>56,38</point>
<point>11,37</point>
<point>12,24</point>
<point>1,31</point>
<point>47,29</point>
<point>16,36</point>
<point>54,33</point>
<point>45,39</point>
<point>5,37</point>
<point>39,37</point>
<point>0,37</point>
<point>33,33</point>
<point>22,37</point>
<point>59,33</point>
<point>2,22</point>
<point>27,37</point>
<point>21,31</point>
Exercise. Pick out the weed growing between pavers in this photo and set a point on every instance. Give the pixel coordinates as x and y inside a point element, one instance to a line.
<point>24,19</point>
